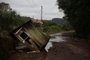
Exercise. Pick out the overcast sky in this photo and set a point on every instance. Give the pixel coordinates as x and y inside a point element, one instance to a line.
<point>32,8</point>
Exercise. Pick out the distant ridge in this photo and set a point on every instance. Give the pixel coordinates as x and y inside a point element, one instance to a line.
<point>60,21</point>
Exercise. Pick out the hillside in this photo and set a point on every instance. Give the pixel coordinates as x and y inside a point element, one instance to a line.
<point>60,21</point>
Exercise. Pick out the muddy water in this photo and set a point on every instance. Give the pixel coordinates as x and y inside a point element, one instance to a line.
<point>54,38</point>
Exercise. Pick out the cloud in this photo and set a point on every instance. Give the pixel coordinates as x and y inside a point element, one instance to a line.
<point>3,0</point>
<point>33,7</point>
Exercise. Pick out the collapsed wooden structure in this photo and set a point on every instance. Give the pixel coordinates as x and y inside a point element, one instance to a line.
<point>32,37</point>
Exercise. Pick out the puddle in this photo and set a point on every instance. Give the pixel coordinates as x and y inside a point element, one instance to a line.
<point>57,38</point>
<point>56,34</point>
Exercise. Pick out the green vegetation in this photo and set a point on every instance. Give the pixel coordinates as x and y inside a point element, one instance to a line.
<point>52,27</point>
<point>6,45</point>
<point>77,12</point>
<point>9,20</point>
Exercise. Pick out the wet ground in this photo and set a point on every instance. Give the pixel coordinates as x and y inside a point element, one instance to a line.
<point>62,46</point>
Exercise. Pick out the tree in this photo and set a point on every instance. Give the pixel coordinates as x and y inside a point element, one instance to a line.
<point>4,7</point>
<point>9,19</point>
<point>77,12</point>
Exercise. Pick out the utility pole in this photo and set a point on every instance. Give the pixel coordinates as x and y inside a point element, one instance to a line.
<point>41,12</point>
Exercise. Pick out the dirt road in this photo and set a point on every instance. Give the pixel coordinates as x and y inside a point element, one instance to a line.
<point>69,49</point>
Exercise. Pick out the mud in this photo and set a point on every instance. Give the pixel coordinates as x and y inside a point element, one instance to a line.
<point>59,48</point>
